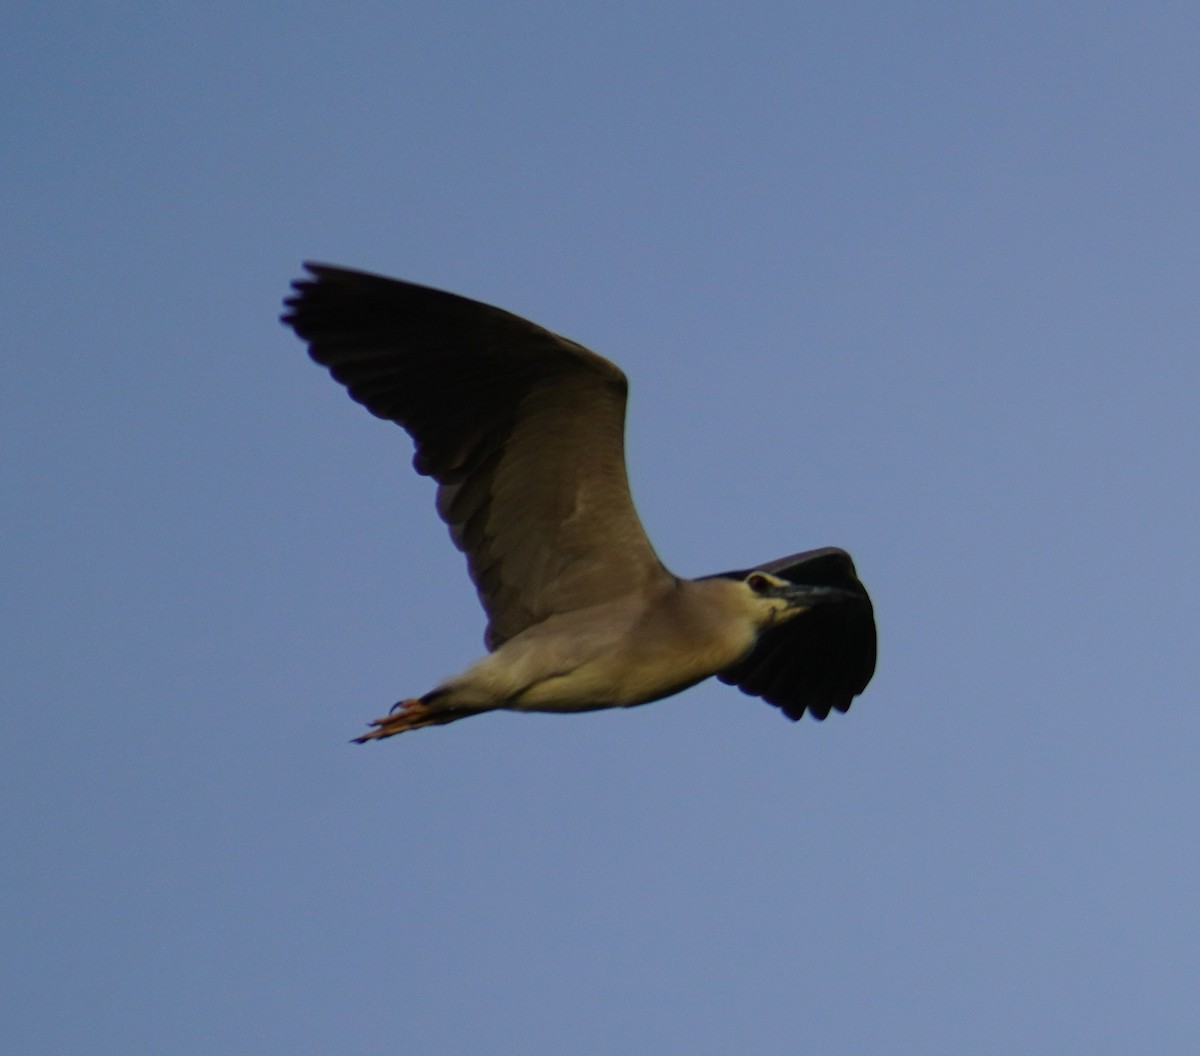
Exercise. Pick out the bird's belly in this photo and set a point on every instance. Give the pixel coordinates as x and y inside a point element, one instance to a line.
<point>609,682</point>
<point>596,659</point>
<point>577,692</point>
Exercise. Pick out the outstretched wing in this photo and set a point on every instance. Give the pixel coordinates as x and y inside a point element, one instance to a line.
<point>523,431</point>
<point>822,659</point>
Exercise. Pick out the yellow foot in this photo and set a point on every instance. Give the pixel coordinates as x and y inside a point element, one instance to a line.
<point>411,715</point>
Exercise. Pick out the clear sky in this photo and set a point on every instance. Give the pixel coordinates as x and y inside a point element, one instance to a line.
<point>916,280</point>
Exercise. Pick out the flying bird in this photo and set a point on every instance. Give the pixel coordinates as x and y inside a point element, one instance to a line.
<point>523,431</point>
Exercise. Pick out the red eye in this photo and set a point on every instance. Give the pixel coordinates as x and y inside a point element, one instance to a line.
<point>758,584</point>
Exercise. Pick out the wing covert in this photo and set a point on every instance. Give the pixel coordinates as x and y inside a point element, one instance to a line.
<point>522,429</point>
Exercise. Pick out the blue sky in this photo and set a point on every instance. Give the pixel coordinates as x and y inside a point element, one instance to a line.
<point>919,281</point>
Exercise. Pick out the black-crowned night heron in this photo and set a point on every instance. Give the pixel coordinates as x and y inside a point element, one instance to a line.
<point>523,431</point>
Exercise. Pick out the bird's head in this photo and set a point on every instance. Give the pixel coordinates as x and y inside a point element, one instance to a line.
<point>771,600</point>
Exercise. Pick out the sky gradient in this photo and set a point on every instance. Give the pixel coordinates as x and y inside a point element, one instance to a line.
<point>918,281</point>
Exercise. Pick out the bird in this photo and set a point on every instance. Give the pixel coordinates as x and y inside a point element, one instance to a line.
<point>523,432</point>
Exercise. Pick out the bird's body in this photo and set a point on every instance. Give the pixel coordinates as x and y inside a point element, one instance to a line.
<point>607,655</point>
<point>524,432</point>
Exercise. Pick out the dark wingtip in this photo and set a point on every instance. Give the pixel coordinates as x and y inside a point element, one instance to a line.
<point>302,287</point>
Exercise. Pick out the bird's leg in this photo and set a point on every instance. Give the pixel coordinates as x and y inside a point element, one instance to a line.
<point>412,714</point>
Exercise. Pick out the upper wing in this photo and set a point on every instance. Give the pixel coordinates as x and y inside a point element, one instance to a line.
<point>821,659</point>
<point>522,429</point>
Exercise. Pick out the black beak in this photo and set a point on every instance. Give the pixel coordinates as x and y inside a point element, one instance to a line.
<point>802,596</point>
